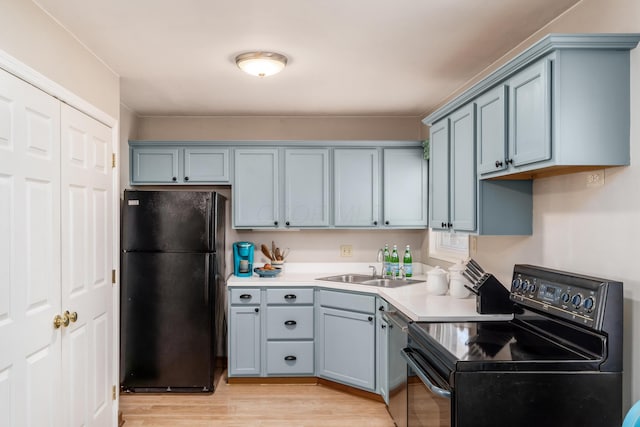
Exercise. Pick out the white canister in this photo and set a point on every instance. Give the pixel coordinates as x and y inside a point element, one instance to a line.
<point>457,281</point>
<point>437,283</point>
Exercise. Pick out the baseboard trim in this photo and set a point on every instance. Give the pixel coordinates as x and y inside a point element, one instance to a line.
<point>307,380</point>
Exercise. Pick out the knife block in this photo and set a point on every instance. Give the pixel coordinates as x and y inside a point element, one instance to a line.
<point>491,296</point>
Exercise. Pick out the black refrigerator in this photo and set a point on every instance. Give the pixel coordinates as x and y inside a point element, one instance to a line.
<point>172,290</point>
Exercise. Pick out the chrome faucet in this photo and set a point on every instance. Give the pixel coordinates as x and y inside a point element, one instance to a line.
<point>373,272</point>
<point>402,273</point>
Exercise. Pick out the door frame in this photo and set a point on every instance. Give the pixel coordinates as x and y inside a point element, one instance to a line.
<point>42,82</point>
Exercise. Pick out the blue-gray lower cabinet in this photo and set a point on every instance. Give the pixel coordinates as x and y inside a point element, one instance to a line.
<point>346,342</point>
<point>244,340</point>
<point>271,332</point>
<point>290,332</point>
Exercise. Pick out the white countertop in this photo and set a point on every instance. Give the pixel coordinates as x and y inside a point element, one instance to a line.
<point>413,300</point>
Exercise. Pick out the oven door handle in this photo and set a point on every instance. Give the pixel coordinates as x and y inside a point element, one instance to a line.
<point>410,359</point>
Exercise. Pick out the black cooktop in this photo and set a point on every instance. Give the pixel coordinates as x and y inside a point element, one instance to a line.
<point>471,346</point>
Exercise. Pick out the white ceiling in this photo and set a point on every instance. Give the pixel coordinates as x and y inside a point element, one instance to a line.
<point>346,57</point>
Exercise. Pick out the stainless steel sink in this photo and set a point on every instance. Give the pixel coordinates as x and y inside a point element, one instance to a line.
<point>390,283</point>
<point>365,279</point>
<point>347,278</point>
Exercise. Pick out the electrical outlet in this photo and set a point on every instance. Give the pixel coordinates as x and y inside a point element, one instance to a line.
<point>346,250</point>
<point>595,178</point>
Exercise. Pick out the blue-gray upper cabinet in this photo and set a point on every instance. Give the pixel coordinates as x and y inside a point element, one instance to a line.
<point>154,165</point>
<point>439,175</point>
<point>256,194</point>
<point>356,187</point>
<point>405,188</point>
<point>178,164</point>
<point>491,130</point>
<point>528,110</point>
<point>567,100</point>
<point>453,180</point>
<point>204,165</point>
<point>306,193</point>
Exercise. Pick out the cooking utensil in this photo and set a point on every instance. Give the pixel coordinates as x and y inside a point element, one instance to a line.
<point>266,252</point>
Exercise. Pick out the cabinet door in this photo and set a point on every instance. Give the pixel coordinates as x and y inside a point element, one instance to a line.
<point>356,187</point>
<point>244,341</point>
<point>306,198</point>
<point>491,132</point>
<point>255,188</point>
<point>530,115</point>
<point>462,197</point>
<point>439,175</point>
<point>204,164</point>
<point>154,165</point>
<point>405,187</point>
<point>346,346</point>
<point>87,239</point>
<point>30,259</point>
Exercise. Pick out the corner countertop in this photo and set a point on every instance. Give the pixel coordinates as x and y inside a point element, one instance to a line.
<point>412,300</point>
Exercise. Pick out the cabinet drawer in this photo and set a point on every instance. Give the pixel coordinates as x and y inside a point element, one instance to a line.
<point>290,358</point>
<point>290,296</point>
<point>347,301</point>
<point>290,322</point>
<point>245,296</point>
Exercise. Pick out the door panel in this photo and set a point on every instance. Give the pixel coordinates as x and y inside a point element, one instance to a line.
<point>86,181</point>
<point>530,114</point>
<point>439,175</point>
<point>29,254</point>
<point>356,187</point>
<point>462,208</point>
<point>166,320</point>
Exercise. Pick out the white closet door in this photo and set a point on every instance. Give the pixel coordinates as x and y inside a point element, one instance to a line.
<point>30,382</point>
<point>87,220</point>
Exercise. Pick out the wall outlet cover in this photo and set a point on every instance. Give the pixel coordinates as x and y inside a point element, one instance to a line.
<point>346,250</point>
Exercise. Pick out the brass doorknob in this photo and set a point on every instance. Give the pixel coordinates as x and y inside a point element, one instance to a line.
<point>72,316</point>
<point>59,321</point>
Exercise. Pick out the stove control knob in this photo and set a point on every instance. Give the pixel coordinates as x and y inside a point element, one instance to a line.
<point>525,285</point>
<point>589,303</point>
<point>532,287</point>
<point>565,298</point>
<point>576,300</point>
<point>516,283</point>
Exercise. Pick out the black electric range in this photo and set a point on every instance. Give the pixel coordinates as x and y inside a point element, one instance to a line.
<point>557,363</point>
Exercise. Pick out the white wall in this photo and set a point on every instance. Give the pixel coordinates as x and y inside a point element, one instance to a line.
<point>588,230</point>
<point>33,38</point>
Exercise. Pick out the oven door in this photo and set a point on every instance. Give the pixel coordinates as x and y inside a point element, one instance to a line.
<point>429,397</point>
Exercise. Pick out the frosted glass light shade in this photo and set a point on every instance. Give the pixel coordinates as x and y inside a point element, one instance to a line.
<point>261,64</point>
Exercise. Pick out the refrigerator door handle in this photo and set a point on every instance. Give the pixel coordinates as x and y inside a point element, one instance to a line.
<point>206,278</point>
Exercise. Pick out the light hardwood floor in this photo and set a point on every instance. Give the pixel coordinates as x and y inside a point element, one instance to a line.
<point>235,405</point>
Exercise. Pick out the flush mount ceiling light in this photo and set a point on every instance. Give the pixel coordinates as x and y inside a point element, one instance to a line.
<point>261,64</point>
